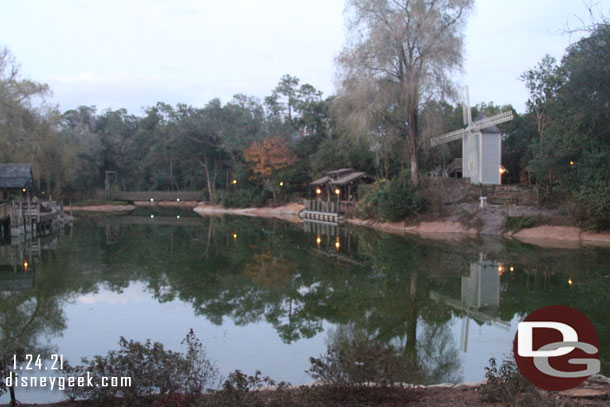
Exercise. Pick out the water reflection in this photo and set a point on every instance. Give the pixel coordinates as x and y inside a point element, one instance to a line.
<point>422,298</point>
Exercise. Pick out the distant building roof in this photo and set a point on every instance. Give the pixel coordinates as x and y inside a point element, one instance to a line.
<point>342,177</point>
<point>15,176</point>
<point>491,129</point>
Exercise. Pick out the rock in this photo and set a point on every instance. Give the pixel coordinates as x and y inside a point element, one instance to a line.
<point>580,393</point>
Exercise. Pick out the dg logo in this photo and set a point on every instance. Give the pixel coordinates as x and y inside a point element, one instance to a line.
<point>556,348</point>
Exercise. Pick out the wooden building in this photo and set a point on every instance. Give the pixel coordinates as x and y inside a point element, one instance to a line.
<point>15,177</point>
<point>341,184</point>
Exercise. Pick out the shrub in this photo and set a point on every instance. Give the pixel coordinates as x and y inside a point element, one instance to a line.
<point>594,208</point>
<point>243,198</point>
<point>391,200</point>
<point>152,369</point>
<point>504,384</point>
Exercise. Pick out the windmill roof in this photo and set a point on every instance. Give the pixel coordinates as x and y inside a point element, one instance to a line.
<point>15,176</point>
<point>491,129</point>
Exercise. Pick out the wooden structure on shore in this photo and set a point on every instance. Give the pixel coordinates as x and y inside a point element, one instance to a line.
<point>20,214</point>
<point>336,192</point>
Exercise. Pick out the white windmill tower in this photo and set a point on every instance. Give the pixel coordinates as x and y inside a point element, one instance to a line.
<point>481,145</point>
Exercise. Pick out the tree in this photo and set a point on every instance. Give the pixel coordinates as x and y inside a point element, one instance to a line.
<point>399,55</point>
<point>268,156</point>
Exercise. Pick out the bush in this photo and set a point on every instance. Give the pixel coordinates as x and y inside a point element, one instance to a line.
<point>504,384</point>
<point>243,198</point>
<point>391,200</point>
<point>153,371</point>
<point>594,208</point>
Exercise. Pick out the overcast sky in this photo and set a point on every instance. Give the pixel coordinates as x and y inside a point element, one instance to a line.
<point>133,53</point>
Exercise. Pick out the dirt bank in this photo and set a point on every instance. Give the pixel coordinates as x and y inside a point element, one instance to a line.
<point>565,237</point>
<point>289,212</point>
<point>104,208</point>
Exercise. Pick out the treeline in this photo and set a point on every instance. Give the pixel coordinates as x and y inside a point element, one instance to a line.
<point>250,151</point>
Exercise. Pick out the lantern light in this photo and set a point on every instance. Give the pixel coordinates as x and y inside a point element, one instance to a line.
<point>512,268</point>
<point>152,199</point>
<point>318,240</point>
<point>337,191</point>
<point>234,182</point>
<point>152,216</point>
<point>177,199</point>
<point>23,190</point>
<point>318,191</point>
<point>234,235</point>
<point>25,265</point>
<point>571,162</point>
<point>570,281</point>
<point>337,244</point>
<point>281,183</point>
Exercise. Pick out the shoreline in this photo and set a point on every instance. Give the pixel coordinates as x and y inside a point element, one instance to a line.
<point>562,237</point>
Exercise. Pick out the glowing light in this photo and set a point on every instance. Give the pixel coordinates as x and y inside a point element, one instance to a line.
<point>178,217</point>
<point>512,268</point>
<point>337,244</point>
<point>234,182</point>
<point>43,192</point>
<point>337,191</point>
<point>177,199</point>
<point>318,191</point>
<point>571,162</point>
<point>281,183</point>
<point>500,269</point>
<point>152,199</point>
<point>503,170</point>
<point>234,235</point>
<point>23,190</point>
<point>318,240</point>
<point>25,265</point>
<point>152,216</point>
<point>570,281</point>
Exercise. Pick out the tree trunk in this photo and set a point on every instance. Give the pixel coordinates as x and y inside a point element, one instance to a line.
<point>204,164</point>
<point>412,144</point>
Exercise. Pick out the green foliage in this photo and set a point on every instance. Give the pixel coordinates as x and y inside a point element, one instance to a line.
<point>594,210</point>
<point>391,200</point>
<point>243,198</point>
<point>516,223</point>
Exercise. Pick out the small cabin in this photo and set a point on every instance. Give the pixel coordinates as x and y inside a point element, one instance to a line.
<point>15,178</point>
<point>341,184</point>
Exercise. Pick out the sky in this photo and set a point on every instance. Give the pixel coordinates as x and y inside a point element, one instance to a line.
<point>133,53</point>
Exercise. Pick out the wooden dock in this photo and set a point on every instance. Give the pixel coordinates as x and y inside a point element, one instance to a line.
<point>30,218</point>
<point>322,211</point>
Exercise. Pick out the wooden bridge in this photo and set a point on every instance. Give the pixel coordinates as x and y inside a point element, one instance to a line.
<point>133,196</point>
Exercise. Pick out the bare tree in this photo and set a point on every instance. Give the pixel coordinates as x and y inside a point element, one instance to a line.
<point>398,56</point>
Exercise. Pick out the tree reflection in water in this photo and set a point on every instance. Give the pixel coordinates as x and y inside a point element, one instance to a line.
<point>374,288</point>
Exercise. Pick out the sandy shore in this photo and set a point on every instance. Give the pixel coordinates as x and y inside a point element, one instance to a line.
<point>289,212</point>
<point>564,237</point>
<point>104,208</point>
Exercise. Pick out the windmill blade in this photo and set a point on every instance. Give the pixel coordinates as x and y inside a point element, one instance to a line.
<point>493,120</point>
<point>446,138</point>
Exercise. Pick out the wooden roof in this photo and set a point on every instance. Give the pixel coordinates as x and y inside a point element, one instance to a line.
<point>343,177</point>
<point>15,176</point>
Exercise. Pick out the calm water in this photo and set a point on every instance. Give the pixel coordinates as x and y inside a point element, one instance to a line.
<point>267,295</point>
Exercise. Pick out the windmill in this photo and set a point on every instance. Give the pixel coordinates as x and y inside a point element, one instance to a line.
<point>481,145</point>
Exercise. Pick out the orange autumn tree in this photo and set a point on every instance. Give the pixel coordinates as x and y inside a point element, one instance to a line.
<point>268,156</point>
